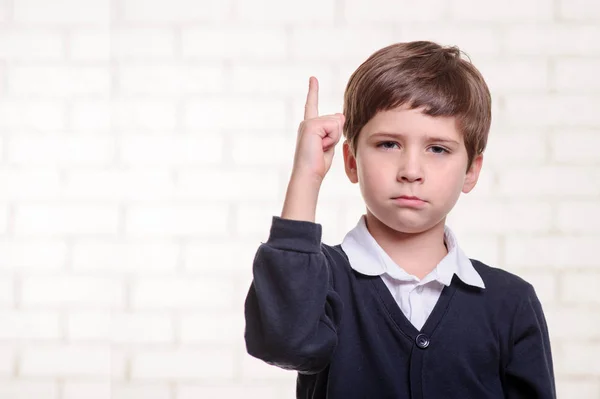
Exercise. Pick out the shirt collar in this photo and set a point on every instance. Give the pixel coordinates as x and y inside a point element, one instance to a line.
<point>367,257</point>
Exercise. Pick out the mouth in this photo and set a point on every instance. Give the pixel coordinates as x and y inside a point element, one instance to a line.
<point>409,201</point>
<point>408,197</point>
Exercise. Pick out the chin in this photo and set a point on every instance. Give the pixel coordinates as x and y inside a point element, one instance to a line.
<point>407,223</point>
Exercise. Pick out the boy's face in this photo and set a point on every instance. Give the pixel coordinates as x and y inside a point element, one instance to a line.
<point>404,152</point>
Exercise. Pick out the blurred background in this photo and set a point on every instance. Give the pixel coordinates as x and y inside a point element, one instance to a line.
<point>146,144</point>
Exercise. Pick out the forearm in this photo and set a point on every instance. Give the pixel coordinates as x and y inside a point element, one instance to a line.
<point>301,198</point>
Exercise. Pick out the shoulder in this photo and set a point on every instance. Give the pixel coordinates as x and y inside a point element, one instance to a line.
<point>501,284</point>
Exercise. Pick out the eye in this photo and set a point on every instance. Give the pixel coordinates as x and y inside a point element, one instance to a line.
<point>388,145</point>
<point>441,149</point>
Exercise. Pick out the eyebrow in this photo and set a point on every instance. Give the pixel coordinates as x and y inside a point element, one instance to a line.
<point>427,137</point>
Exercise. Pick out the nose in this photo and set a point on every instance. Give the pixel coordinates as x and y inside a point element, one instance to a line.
<point>410,169</point>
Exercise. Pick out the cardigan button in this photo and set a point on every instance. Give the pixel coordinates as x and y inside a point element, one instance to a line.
<point>422,341</point>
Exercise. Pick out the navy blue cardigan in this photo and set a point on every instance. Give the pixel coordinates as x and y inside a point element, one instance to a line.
<point>308,310</point>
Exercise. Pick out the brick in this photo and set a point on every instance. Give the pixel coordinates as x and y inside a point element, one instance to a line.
<point>3,80</point>
<point>39,115</point>
<point>179,220</point>
<point>540,182</point>
<point>277,12</point>
<point>578,217</point>
<point>483,247</point>
<point>232,42</point>
<point>382,11</point>
<point>137,184</point>
<point>26,389</point>
<point>125,256</point>
<point>551,110</point>
<point>90,44</point>
<point>59,81</point>
<point>515,148</point>
<point>501,217</point>
<point>577,76</point>
<point>202,256</point>
<point>257,149</point>
<point>67,12</point>
<point>552,39</point>
<point>72,291</point>
<point>551,251</point>
<point>342,44</point>
<point>89,325</point>
<point>573,146</point>
<point>142,43</point>
<point>251,390</point>
<point>251,184</point>
<point>515,75</point>
<point>141,328</point>
<point>7,293</point>
<point>29,254</point>
<point>176,10</point>
<point>255,219</point>
<point>577,287</point>
<point>143,114</point>
<point>66,219</point>
<point>279,79</point>
<point>580,358</point>
<point>119,364</point>
<point>562,318</point>
<point>8,357</point>
<point>235,113</point>
<point>577,387</point>
<point>88,390</point>
<point>579,10</point>
<point>476,41</point>
<point>513,10</point>
<point>3,218</point>
<point>142,391</point>
<point>164,150</point>
<point>90,115</point>
<point>29,184</point>
<point>256,370</point>
<point>61,150</point>
<point>66,360</point>
<point>170,79</point>
<point>31,44</point>
<point>4,10</point>
<point>183,364</point>
<point>29,325</point>
<point>545,284</point>
<point>212,328</point>
<point>182,293</point>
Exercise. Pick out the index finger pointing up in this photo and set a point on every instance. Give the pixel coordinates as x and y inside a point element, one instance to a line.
<point>311,109</point>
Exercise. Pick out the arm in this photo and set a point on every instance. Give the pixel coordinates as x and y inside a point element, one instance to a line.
<point>291,310</point>
<point>529,373</point>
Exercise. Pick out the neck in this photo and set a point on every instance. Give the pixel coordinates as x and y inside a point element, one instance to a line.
<point>416,253</point>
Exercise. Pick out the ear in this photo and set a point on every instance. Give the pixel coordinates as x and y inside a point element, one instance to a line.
<point>473,174</point>
<point>350,163</point>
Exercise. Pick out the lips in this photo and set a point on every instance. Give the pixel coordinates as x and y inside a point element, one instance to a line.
<point>408,197</point>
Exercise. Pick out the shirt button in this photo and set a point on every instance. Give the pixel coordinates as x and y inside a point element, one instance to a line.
<point>420,289</point>
<point>422,341</point>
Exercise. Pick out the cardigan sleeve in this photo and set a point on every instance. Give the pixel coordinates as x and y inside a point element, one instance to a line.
<point>529,372</point>
<point>291,310</point>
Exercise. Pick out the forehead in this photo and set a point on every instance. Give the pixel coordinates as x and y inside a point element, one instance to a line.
<point>412,123</point>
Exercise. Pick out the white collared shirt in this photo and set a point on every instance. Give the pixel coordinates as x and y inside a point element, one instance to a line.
<point>415,297</point>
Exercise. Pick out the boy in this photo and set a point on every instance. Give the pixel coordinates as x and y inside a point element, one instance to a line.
<point>396,310</point>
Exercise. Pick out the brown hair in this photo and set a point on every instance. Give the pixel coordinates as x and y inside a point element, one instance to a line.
<point>420,74</point>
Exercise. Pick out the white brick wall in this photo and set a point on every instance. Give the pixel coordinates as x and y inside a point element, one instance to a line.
<point>141,139</point>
